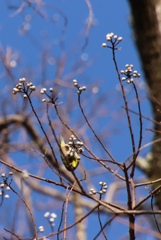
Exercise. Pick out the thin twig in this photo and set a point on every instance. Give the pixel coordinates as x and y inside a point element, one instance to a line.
<point>100,222</point>
<point>124,98</point>
<point>133,163</point>
<point>148,196</point>
<point>34,225</point>
<point>50,124</point>
<point>45,134</point>
<point>156,222</point>
<point>89,125</point>
<point>129,203</point>
<point>61,220</point>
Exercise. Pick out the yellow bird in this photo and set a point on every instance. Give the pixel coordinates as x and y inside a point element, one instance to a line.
<point>69,156</point>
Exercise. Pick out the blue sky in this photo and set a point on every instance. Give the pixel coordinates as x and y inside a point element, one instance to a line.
<point>44,34</point>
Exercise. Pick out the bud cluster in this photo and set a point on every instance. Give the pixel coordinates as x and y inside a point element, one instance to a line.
<point>74,146</point>
<point>51,97</point>
<point>24,87</point>
<point>114,39</point>
<point>4,186</point>
<point>102,190</point>
<point>51,218</point>
<point>129,73</point>
<point>80,89</point>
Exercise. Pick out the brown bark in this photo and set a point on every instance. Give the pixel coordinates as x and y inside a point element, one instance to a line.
<point>146,19</point>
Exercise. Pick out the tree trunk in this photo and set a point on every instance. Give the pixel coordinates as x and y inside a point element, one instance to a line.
<point>146,20</point>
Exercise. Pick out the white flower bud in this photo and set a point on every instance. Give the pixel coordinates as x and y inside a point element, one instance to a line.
<point>104,45</point>
<point>6,196</point>
<point>33,88</point>
<point>119,39</point>
<point>47,214</point>
<point>22,79</point>
<point>53,215</point>
<point>15,90</point>
<point>2,185</point>
<point>41,229</point>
